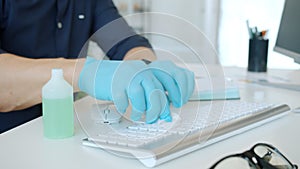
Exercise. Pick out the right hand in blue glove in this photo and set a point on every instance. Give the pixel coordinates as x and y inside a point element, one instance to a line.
<point>177,81</point>
<point>120,81</point>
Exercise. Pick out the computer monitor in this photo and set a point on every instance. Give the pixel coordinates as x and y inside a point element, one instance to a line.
<point>288,38</point>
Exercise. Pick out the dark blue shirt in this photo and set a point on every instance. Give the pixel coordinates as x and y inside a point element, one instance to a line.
<point>60,28</point>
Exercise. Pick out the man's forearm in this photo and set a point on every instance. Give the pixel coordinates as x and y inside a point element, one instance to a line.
<point>22,79</point>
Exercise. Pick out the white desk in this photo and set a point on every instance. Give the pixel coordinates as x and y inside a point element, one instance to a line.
<point>25,146</point>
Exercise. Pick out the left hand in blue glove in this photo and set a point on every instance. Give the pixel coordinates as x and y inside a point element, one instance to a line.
<point>177,81</point>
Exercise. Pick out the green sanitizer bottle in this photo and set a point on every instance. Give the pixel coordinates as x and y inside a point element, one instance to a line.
<point>58,111</point>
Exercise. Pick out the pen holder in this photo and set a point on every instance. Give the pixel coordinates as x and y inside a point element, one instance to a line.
<point>258,55</point>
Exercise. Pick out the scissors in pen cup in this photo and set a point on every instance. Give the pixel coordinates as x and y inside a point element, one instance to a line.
<point>260,156</point>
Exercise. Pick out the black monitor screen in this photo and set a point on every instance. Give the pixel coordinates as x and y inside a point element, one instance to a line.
<point>288,39</point>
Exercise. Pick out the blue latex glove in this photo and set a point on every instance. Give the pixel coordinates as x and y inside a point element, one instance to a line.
<point>177,81</point>
<point>121,81</point>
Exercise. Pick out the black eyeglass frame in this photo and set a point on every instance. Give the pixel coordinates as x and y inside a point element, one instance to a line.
<point>250,154</point>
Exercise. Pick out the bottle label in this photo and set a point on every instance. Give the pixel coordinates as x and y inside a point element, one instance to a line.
<point>58,117</point>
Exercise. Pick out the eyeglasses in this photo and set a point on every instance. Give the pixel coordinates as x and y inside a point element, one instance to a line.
<point>260,156</point>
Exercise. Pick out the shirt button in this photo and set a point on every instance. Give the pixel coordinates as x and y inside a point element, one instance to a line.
<point>81,16</point>
<point>59,25</point>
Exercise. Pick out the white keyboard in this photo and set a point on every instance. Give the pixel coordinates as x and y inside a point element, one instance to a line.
<point>193,127</point>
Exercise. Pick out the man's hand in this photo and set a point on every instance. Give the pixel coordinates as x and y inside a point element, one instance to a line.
<point>121,81</point>
<point>178,82</point>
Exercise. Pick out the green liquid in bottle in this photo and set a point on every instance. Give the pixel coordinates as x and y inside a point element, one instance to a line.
<point>58,118</point>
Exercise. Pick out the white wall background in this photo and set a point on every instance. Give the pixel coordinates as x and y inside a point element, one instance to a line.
<point>224,23</point>
<point>233,34</point>
<point>201,18</point>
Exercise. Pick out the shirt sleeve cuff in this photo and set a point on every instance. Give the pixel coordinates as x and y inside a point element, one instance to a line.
<point>119,51</point>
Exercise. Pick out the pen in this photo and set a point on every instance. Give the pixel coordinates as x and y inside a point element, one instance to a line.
<point>249,30</point>
<point>256,33</point>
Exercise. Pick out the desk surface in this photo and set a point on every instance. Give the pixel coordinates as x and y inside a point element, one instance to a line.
<point>25,146</point>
